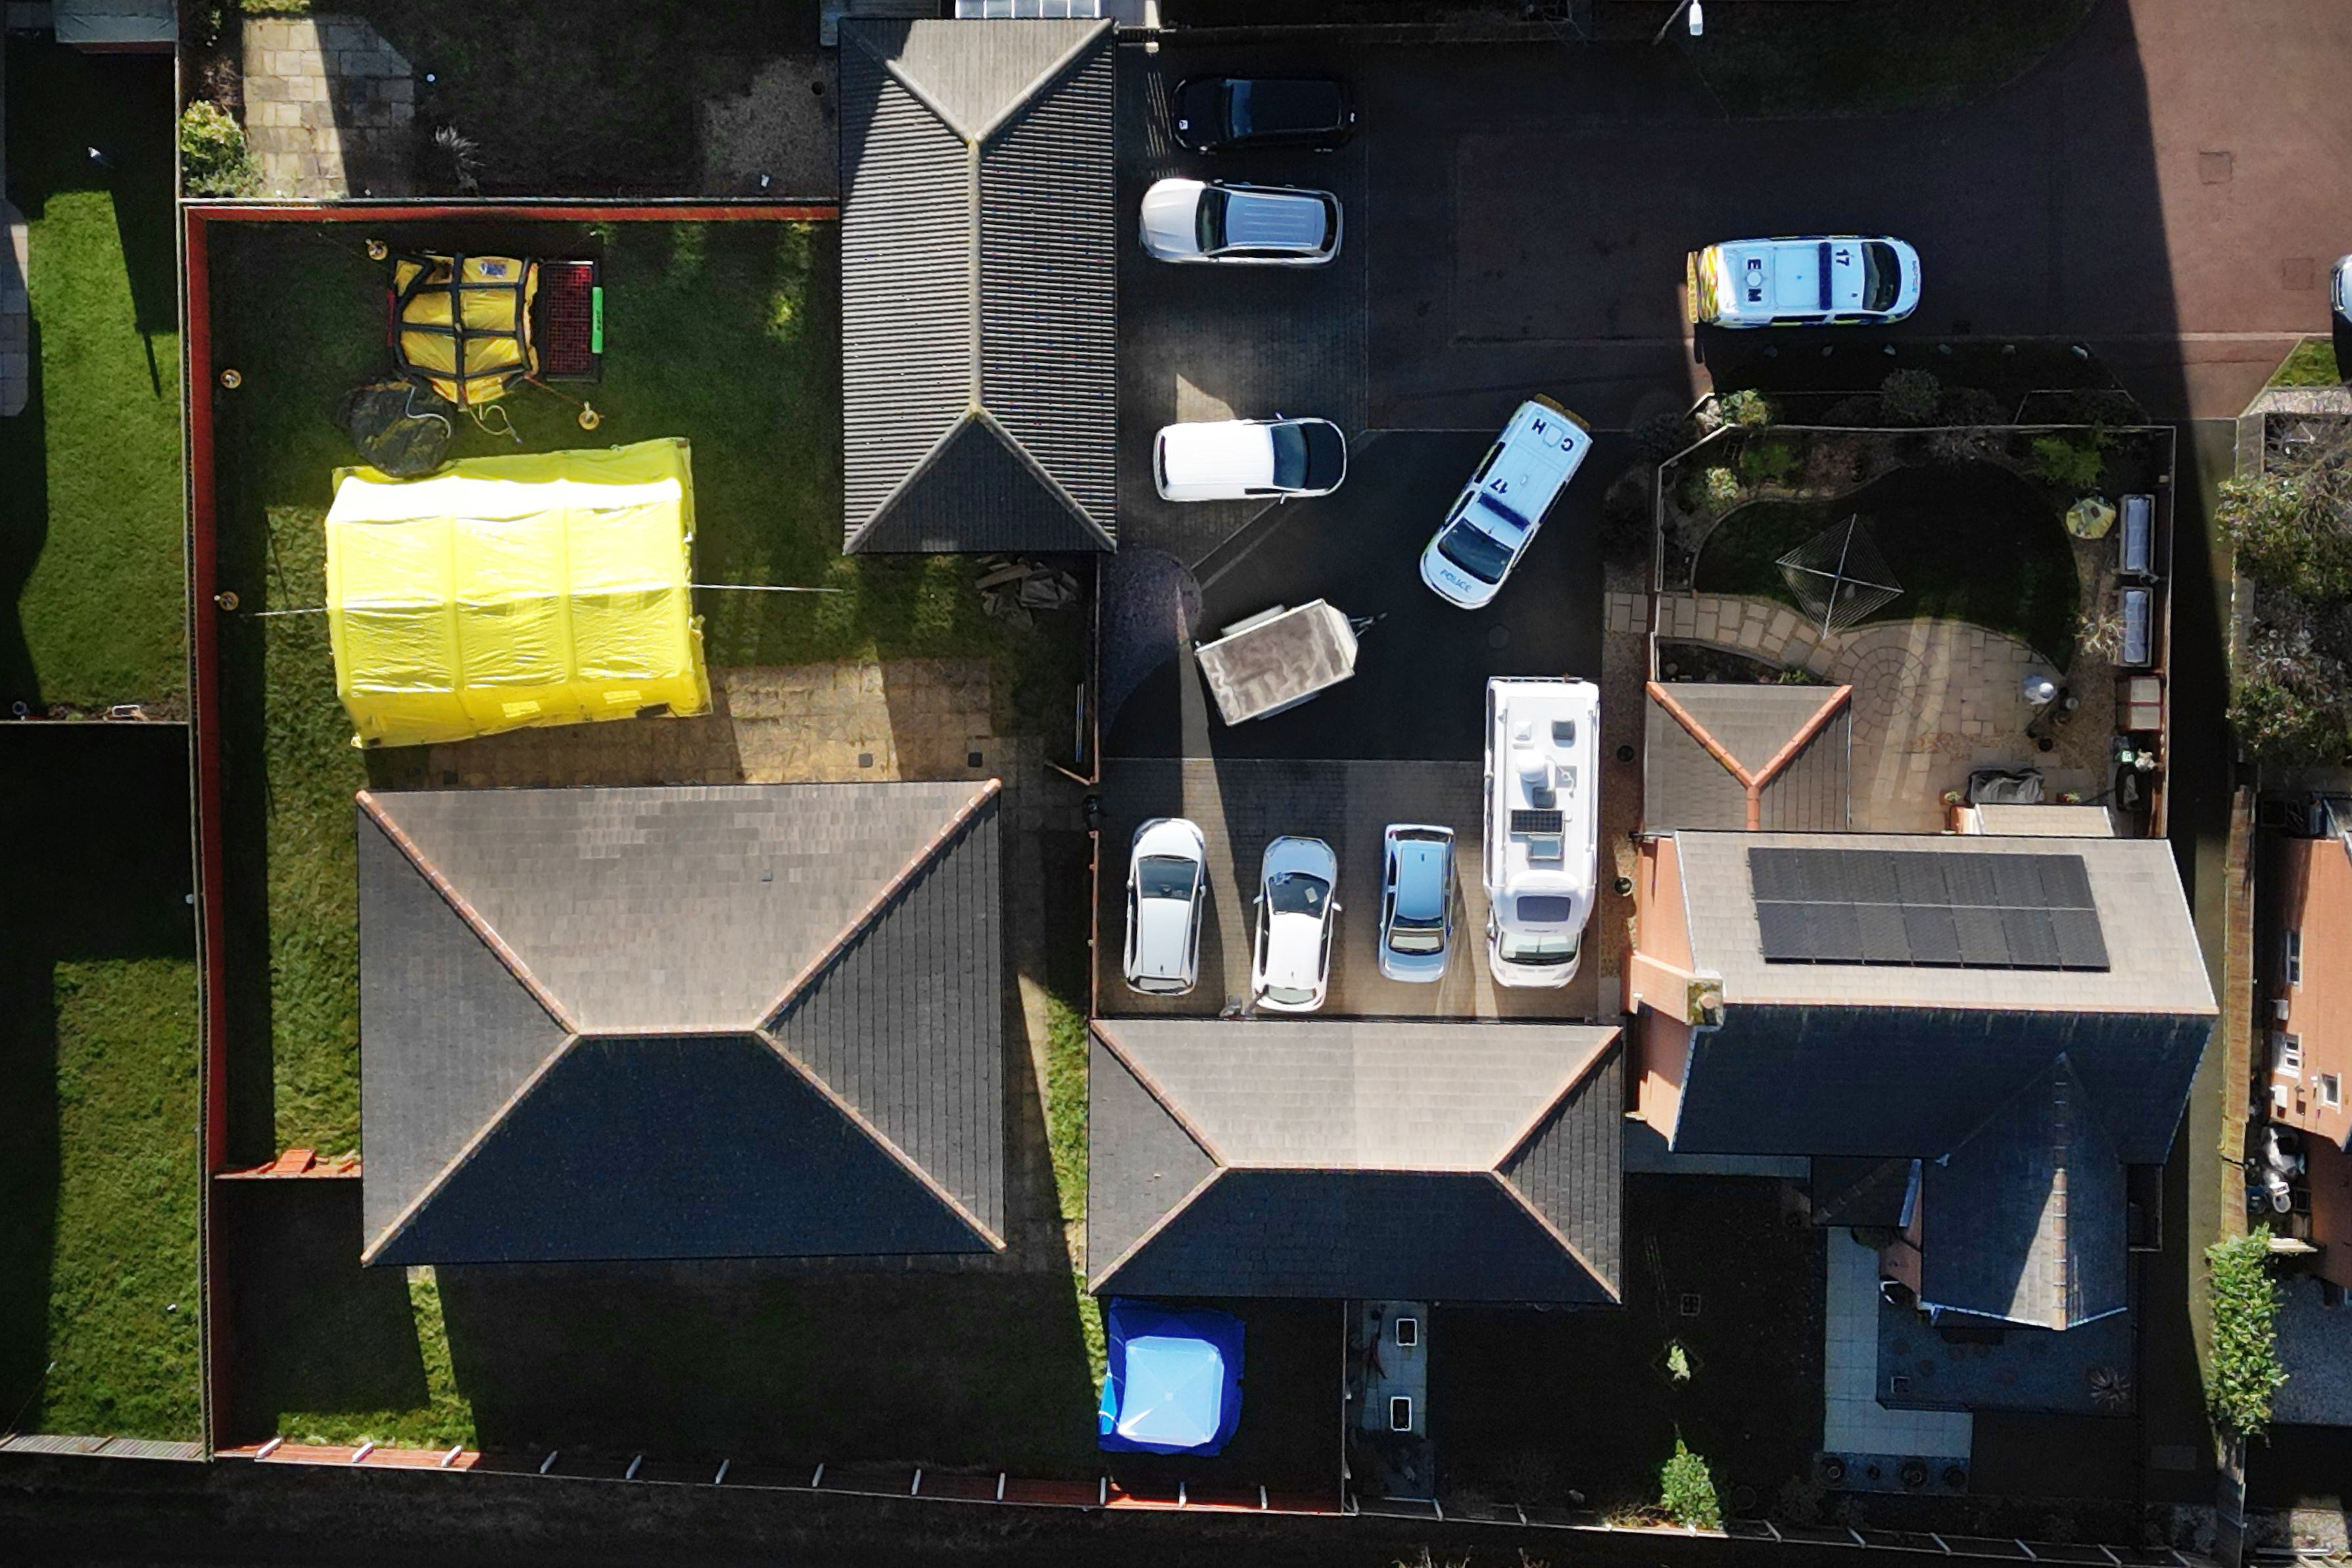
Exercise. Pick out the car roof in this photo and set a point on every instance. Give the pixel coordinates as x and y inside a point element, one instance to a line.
<point>1790,273</point>
<point>1259,219</point>
<point>1229,452</point>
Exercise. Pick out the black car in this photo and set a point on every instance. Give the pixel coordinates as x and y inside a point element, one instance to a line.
<point>1223,114</point>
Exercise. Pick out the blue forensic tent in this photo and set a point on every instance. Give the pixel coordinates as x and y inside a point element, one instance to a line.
<point>1174,1384</point>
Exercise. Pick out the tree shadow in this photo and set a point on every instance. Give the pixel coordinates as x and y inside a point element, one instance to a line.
<point>23,532</point>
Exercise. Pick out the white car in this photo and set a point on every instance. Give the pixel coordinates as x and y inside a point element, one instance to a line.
<point>1245,459</point>
<point>1495,517</point>
<point>1815,281</point>
<point>1167,888</point>
<point>1240,226</point>
<point>1290,964</point>
<point>1416,902</point>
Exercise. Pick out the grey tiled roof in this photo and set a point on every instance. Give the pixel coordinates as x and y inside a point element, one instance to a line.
<point>830,951</point>
<point>1461,1161</point>
<point>2155,963</point>
<point>979,266</point>
<point>1914,1082</point>
<point>2025,1221</point>
<point>1684,785</point>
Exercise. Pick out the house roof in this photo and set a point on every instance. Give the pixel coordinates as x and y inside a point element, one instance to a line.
<point>1326,1157</point>
<point>1735,757</point>
<point>979,266</point>
<point>680,1022</point>
<point>2025,1221</point>
<point>2153,962</point>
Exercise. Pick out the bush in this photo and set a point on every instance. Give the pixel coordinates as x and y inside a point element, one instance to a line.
<point>1718,488</point>
<point>2244,1372</point>
<point>214,158</point>
<point>1766,462</point>
<point>1909,397</point>
<point>2291,530</point>
<point>2071,463</point>
<point>1972,406</point>
<point>1747,407</point>
<point>1687,1491</point>
<point>1662,435</point>
<point>1627,529</point>
<point>2275,723</point>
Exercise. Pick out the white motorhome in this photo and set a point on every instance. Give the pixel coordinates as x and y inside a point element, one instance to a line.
<point>1543,815</point>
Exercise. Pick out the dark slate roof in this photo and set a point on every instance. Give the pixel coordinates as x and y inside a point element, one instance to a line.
<point>2025,1221</point>
<point>1686,784</point>
<point>979,269</point>
<point>1318,1158</point>
<point>1915,1081</point>
<point>831,954</point>
<point>1861,1193</point>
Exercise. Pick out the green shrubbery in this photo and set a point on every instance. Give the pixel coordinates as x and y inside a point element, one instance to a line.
<point>2070,461</point>
<point>2245,1370</point>
<point>1910,397</point>
<point>2291,697</point>
<point>1687,1491</point>
<point>213,158</point>
<point>1748,408</point>
<point>1766,462</point>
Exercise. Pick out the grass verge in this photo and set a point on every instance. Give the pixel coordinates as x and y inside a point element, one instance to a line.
<point>1874,57</point>
<point>91,529</point>
<point>2312,363</point>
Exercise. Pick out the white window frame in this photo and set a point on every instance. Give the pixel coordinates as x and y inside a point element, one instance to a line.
<point>2286,1054</point>
<point>2295,958</point>
<point>2331,1091</point>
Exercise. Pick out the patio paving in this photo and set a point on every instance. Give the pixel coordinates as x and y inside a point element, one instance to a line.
<point>327,106</point>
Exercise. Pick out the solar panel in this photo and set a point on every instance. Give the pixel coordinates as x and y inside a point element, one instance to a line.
<point>1922,908</point>
<point>1526,821</point>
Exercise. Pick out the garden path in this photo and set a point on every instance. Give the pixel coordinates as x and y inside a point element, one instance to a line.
<point>327,106</point>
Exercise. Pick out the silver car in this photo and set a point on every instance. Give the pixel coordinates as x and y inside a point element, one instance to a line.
<point>1416,902</point>
<point>1240,226</point>
<point>1167,888</point>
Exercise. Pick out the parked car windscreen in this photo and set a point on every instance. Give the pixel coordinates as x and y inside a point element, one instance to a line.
<point>1407,934</point>
<point>1546,949</point>
<point>1209,223</point>
<point>1165,876</point>
<point>1474,552</point>
<point>1290,463</point>
<point>1296,893</point>
<point>1881,276</point>
<point>1327,455</point>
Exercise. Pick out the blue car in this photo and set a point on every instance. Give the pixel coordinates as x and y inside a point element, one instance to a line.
<point>1416,902</point>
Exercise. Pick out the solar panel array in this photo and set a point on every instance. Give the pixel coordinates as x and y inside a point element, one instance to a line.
<point>1917,907</point>
<point>1525,820</point>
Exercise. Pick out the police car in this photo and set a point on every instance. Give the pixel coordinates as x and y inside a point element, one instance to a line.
<point>1840,280</point>
<point>1495,519</point>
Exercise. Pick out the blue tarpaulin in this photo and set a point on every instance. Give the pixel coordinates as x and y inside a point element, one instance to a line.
<point>1174,1384</point>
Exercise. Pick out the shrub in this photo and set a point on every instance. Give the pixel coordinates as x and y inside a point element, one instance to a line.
<point>1687,1491</point>
<point>2069,462</point>
<point>1972,406</point>
<point>1748,408</point>
<point>2244,1372</point>
<point>1719,489</point>
<point>2273,723</point>
<point>1662,435</point>
<point>214,158</point>
<point>1766,462</point>
<point>1626,526</point>
<point>2292,530</point>
<point>1909,397</point>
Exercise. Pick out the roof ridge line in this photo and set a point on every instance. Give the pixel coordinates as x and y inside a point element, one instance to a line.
<point>1805,733</point>
<point>466,1152</point>
<point>1159,1092</point>
<point>922,466</point>
<point>986,418</point>
<point>1698,732</point>
<point>1152,1231</point>
<point>464,911</point>
<point>880,1139</point>
<point>1511,1193</point>
<point>1577,1074</point>
<point>890,68</point>
<point>833,951</point>
<point>1060,64</point>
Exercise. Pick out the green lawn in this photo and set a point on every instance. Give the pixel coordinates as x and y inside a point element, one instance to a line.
<point>1975,542</point>
<point>1874,57</point>
<point>91,580</point>
<point>2311,364</point>
<point>99,1151</point>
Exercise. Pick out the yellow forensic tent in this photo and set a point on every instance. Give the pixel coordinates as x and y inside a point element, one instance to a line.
<point>509,591</point>
<point>462,323</point>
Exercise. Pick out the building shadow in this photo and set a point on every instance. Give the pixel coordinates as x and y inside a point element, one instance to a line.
<point>23,532</point>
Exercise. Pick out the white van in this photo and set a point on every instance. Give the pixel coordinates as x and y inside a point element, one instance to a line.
<point>1495,517</point>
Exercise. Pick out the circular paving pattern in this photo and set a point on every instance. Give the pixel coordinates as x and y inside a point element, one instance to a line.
<point>1885,681</point>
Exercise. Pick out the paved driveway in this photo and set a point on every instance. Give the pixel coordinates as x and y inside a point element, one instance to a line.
<point>1224,342</point>
<point>1241,805</point>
